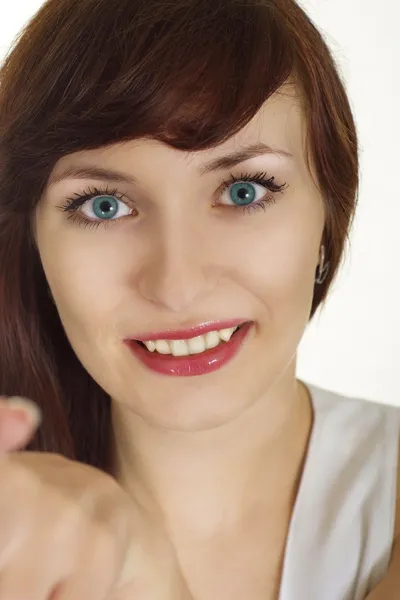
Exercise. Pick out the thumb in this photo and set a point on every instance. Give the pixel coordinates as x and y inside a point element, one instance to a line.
<point>19,420</point>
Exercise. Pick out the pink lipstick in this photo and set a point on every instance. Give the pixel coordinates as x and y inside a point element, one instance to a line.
<point>156,350</point>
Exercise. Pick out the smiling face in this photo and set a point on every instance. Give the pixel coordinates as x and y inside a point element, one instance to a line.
<point>173,240</point>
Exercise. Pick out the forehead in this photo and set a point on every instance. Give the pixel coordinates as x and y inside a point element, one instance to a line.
<point>280,124</point>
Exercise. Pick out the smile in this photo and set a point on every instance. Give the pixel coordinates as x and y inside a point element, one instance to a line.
<point>194,345</point>
<point>193,352</point>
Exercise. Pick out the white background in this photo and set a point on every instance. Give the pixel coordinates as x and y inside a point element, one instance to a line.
<point>353,346</point>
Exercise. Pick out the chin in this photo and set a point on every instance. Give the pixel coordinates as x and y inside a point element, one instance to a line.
<point>197,405</point>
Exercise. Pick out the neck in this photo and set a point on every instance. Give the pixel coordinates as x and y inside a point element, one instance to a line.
<point>204,477</point>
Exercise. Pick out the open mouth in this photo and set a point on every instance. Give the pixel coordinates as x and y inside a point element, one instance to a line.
<point>190,356</point>
<point>195,345</point>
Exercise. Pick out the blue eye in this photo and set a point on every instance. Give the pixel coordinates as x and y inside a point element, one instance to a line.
<point>104,208</point>
<point>243,193</point>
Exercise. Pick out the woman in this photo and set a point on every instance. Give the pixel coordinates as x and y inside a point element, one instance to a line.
<point>177,184</point>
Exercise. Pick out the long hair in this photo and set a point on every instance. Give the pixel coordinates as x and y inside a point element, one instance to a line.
<point>88,73</point>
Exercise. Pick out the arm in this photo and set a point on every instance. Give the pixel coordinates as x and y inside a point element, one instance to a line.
<point>389,588</point>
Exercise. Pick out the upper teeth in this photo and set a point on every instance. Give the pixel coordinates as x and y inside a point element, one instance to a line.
<point>194,345</point>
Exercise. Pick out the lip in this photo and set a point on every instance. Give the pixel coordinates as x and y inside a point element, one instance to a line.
<point>186,334</point>
<point>195,364</point>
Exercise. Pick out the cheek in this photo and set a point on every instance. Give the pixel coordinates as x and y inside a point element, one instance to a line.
<point>279,262</point>
<point>279,273</point>
<point>84,279</point>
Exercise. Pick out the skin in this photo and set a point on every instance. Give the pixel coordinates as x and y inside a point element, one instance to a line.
<point>200,454</point>
<point>70,530</point>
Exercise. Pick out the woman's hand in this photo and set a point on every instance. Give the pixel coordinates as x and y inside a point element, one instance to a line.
<point>69,532</point>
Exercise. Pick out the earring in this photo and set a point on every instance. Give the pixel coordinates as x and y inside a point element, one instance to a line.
<point>322,269</point>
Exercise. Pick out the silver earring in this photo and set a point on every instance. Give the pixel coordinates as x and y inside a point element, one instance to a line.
<point>322,269</point>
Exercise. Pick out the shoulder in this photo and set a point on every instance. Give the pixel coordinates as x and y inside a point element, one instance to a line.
<point>357,413</point>
<point>376,426</point>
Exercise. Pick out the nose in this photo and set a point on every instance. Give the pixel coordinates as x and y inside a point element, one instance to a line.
<point>177,272</point>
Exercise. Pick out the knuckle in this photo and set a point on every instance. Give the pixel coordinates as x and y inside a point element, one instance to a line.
<point>18,479</point>
<point>104,539</point>
<point>58,518</point>
<point>68,517</point>
<point>104,551</point>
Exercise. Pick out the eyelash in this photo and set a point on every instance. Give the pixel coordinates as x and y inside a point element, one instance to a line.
<point>261,179</point>
<point>73,204</point>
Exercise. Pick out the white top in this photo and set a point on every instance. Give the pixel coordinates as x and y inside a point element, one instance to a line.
<point>342,528</point>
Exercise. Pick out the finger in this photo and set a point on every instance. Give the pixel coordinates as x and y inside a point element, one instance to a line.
<point>95,571</point>
<point>26,579</point>
<point>41,554</point>
<point>19,420</point>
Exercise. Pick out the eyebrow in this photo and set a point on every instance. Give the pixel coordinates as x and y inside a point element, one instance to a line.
<point>218,164</point>
<point>90,172</point>
<point>242,155</point>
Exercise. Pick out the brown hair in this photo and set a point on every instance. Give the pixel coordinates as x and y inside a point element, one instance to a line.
<point>191,73</point>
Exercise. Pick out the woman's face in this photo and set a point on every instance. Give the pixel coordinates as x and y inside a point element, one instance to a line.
<point>167,241</point>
